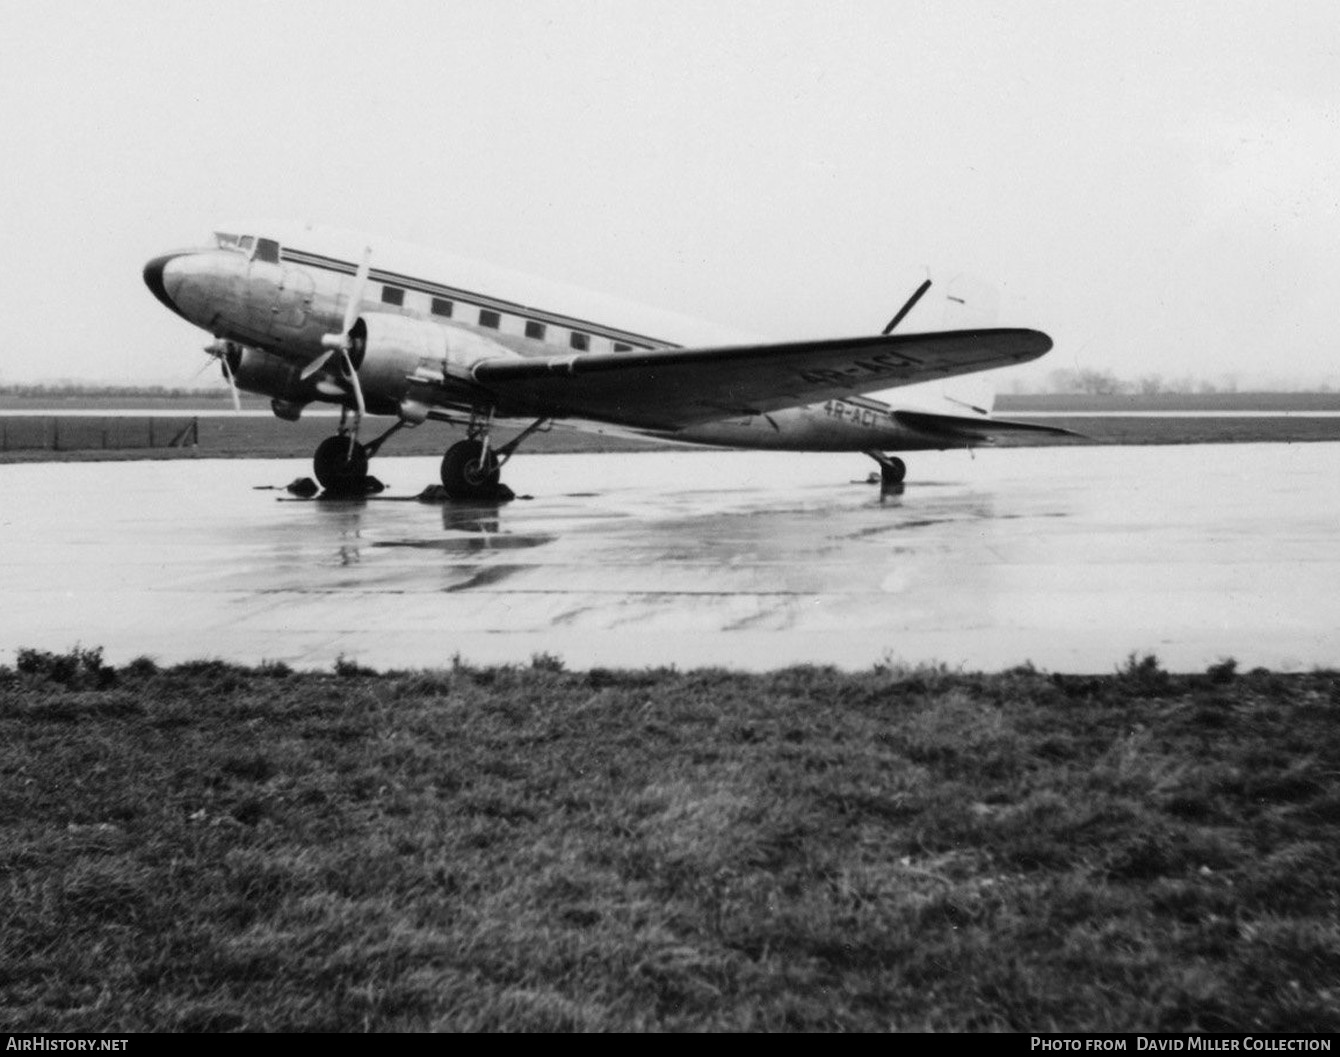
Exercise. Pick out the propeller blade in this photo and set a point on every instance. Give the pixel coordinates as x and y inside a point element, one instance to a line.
<point>334,343</point>
<point>357,385</point>
<point>356,295</point>
<point>911,303</point>
<point>359,404</point>
<point>232,382</point>
<point>319,362</point>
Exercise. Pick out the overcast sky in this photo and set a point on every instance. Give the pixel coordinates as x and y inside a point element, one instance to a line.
<point>1157,187</point>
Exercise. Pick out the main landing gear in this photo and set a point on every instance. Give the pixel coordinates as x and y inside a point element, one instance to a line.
<point>341,462</point>
<point>341,465</point>
<point>470,471</point>
<point>470,468</point>
<point>892,470</point>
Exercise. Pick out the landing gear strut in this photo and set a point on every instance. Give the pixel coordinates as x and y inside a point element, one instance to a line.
<point>341,462</point>
<point>892,470</point>
<point>470,468</point>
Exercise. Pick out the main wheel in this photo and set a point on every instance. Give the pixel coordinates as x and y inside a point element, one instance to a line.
<point>467,474</point>
<point>340,466</point>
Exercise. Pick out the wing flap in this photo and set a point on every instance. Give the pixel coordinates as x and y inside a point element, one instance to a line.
<point>964,427</point>
<point>673,388</point>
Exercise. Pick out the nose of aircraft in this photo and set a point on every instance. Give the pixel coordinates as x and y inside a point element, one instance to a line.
<point>159,277</point>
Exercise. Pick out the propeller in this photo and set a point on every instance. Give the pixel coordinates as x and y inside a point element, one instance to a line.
<point>221,350</point>
<point>340,343</point>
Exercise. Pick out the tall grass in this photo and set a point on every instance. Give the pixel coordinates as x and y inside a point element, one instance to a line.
<point>212,847</point>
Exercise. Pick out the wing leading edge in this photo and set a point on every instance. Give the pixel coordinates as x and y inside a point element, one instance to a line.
<point>674,388</point>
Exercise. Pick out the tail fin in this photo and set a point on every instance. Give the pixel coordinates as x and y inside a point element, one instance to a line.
<point>970,304</point>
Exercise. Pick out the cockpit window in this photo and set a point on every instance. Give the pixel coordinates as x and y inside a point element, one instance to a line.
<point>255,248</point>
<point>225,240</point>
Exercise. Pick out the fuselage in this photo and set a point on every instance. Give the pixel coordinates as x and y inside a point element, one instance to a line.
<point>272,293</point>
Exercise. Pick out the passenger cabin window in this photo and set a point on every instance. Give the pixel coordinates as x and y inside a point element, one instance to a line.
<point>580,341</point>
<point>441,307</point>
<point>619,346</point>
<point>534,330</point>
<point>393,295</point>
<point>267,250</point>
<point>488,319</point>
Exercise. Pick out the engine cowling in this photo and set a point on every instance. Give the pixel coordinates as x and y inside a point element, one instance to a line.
<point>387,349</point>
<point>260,372</point>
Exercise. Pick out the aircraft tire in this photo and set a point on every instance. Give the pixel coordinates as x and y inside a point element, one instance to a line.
<point>337,469</point>
<point>462,475</point>
<point>894,471</point>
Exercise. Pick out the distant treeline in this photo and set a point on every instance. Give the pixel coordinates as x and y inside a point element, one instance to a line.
<point>49,390</point>
<point>1090,382</point>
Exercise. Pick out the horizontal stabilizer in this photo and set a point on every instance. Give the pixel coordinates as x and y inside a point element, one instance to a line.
<point>966,427</point>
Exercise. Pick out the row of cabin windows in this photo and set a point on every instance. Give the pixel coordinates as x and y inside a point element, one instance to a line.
<point>268,250</point>
<point>394,295</point>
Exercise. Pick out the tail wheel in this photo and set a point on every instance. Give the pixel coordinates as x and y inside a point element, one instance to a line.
<point>894,471</point>
<point>341,466</point>
<point>467,473</point>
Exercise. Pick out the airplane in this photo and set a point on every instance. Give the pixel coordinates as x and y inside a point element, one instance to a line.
<point>301,315</point>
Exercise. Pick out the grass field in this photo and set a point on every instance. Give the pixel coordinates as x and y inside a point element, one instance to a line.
<point>226,437</point>
<point>65,435</point>
<point>211,847</point>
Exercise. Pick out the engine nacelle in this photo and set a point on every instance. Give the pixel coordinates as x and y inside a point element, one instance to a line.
<point>388,348</point>
<point>260,372</point>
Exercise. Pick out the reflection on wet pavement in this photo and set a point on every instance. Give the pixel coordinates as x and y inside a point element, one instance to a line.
<point>1071,558</point>
<point>484,541</point>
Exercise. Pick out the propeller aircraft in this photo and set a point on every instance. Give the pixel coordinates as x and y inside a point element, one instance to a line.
<point>307,316</point>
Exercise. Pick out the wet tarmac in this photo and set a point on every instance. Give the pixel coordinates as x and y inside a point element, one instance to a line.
<point>1070,558</point>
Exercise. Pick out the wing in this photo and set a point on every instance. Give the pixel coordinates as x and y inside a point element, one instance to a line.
<point>674,388</point>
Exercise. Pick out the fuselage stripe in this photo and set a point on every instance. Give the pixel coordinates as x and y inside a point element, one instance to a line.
<point>332,264</point>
